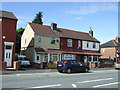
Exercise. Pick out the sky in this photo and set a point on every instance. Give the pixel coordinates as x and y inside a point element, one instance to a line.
<point>79,16</point>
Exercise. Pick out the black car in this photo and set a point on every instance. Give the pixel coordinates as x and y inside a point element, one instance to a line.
<point>69,66</point>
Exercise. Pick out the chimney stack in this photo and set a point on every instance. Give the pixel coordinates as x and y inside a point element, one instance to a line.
<point>91,32</point>
<point>53,26</point>
<point>117,39</point>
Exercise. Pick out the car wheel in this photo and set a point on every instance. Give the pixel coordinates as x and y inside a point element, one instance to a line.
<point>60,71</point>
<point>68,70</point>
<point>86,70</point>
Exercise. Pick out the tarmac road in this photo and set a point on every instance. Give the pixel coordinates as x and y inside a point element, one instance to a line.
<point>94,79</point>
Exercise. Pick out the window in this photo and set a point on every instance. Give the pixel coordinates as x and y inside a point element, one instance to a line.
<point>68,57</point>
<point>37,58</point>
<point>69,42</point>
<point>87,44</point>
<point>8,47</point>
<point>55,57</point>
<point>95,58</point>
<point>39,38</point>
<point>53,40</point>
<point>89,58</point>
<point>79,43</point>
<point>94,45</point>
<point>46,57</point>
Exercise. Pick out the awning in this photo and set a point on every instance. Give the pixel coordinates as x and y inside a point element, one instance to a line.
<point>40,50</point>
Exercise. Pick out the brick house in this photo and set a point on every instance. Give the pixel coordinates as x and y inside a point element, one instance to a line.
<point>8,23</point>
<point>111,49</point>
<point>49,43</point>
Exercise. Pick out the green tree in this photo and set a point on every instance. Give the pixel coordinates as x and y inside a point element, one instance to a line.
<point>19,33</point>
<point>38,18</point>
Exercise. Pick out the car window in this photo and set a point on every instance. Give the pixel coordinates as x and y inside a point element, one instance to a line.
<point>78,62</point>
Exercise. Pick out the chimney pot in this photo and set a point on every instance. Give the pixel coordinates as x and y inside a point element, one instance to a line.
<point>53,26</point>
<point>91,32</point>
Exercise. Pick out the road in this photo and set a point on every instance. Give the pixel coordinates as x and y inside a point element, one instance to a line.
<point>93,79</point>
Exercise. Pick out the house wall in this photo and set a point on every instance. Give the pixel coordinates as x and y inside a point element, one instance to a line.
<point>1,51</point>
<point>84,46</point>
<point>27,38</point>
<point>29,53</point>
<point>46,42</point>
<point>9,32</point>
<point>63,44</point>
<point>108,52</point>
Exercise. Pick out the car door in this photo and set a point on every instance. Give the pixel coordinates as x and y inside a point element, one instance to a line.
<point>80,66</point>
<point>73,66</point>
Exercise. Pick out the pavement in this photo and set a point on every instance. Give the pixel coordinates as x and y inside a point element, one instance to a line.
<point>25,71</point>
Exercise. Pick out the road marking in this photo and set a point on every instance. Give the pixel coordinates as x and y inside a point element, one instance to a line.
<point>47,86</point>
<point>105,85</point>
<point>75,86</point>
<point>95,80</point>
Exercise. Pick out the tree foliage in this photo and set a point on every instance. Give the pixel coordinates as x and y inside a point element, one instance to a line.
<point>38,18</point>
<point>19,33</point>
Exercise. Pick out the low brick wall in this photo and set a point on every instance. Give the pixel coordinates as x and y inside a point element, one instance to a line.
<point>103,65</point>
<point>16,65</point>
<point>93,64</point>
<point>3,65</point>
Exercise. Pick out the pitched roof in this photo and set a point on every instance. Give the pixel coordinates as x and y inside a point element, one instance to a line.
<point>6,14</point>
<point>60,32</point>
<point>111,43</point>
<point>39,50</point>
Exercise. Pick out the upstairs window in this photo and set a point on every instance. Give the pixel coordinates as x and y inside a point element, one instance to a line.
<point>53,40</point>
<point>39,38</point>
<point>94,45</point>
<point>69,42</point>
<point>79,43</point>
<point>87,44</point>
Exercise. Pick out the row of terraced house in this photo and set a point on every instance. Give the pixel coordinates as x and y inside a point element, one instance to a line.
<point>51,44</point>
<point>42,43</point>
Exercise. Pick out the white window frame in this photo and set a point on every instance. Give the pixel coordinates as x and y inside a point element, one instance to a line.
<point>79,43</point>
<point>39,58</point>
<point>39,38</point>
<point>53,39</point>
<point>94,45</point>
<point>87,44</point>
<point>69,42</point>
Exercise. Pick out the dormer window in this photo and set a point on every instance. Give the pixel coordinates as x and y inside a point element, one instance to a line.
<point>69,42</point>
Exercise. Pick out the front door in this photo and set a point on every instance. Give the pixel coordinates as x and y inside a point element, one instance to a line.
<point>8,55</point>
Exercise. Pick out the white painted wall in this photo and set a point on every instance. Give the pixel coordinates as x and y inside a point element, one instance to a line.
<point>84,46</point>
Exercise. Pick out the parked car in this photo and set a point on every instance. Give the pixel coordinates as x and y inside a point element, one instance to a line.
<point>69,66</point>
<point>23,60</point>
<point>117,65</point>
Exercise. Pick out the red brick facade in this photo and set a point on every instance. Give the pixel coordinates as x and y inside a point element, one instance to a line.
<point>63,44</point>
<point>8,34</point>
